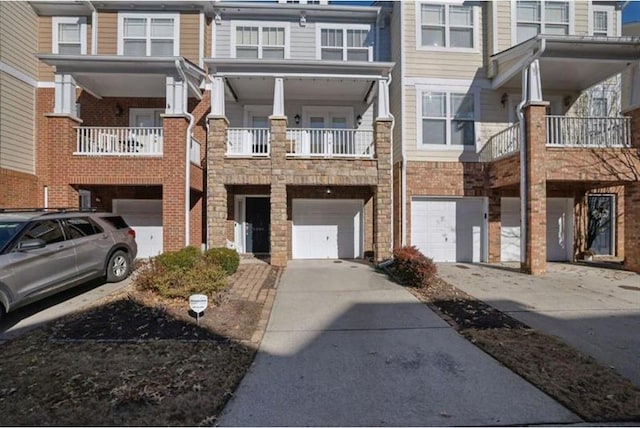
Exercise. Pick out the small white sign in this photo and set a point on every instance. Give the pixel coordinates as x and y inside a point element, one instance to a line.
<point>198,302</point>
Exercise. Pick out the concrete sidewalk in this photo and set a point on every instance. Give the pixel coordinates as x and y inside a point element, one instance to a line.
<point>595,310</point>
<point>346,347</point>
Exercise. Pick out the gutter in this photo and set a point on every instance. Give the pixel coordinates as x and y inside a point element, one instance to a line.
<point>187,171</point>
<point>523,155</point>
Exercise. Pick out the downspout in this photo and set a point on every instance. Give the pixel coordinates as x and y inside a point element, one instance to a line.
<point>526,92</point>
<point>393,124</point>
<point>187,169</point>
<point>94,29</point>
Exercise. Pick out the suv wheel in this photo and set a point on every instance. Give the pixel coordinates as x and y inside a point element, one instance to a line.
<point>118,267</point>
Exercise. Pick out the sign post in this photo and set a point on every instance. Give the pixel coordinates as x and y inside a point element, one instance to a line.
<point>198,303</point>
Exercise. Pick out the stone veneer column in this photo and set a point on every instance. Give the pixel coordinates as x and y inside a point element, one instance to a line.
<point>61,141</point>
<point>536,214</point>
<point>495,224</point>
<point>382,207</point>
<point>174,149</point>
<point>216,190</point>
<point>279,224</point>
<point>632,206</point>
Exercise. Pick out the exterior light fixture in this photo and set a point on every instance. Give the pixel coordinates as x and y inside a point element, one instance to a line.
<point>119,110</point>
<point>503,99</point>
<point>217,19</point>
<point>328,190</point>
<point>359,120</point>
<point>303,19</point>
<point>297,119</point>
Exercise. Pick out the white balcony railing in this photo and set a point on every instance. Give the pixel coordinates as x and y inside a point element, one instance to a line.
<point>194,151</point>
<point>248,142</point>
<point>501,144</point>
<point>592,132</point>
<point>307,142</point>
<point>93,140</point>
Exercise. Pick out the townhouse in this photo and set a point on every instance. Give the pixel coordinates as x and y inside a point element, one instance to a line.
<point>309,130</point>
<point>473,81</point>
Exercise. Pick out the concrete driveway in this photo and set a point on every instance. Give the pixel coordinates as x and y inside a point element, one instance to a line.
<point>595,310</point>
<point>346,347</point>
<point>57,306</point>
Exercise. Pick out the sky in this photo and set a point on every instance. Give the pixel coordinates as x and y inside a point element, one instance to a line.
<point>631,13</point>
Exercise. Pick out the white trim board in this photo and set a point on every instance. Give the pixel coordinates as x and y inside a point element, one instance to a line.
<point>20,75</point>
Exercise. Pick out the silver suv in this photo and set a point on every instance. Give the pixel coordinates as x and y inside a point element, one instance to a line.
<point>43,252</point>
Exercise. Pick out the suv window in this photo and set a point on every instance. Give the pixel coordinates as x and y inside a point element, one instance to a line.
<point>8,230</point>
<point>78,227</point>
<point>47,230</point>
<point>116,221</point>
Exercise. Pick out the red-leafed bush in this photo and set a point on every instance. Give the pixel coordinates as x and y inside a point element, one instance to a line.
<point>414,268</point>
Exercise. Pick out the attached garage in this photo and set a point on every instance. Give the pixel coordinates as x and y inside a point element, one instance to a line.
<point>327,228</point>
<point>145,217</point>
<point>559,229</point>
<point>450,229</point>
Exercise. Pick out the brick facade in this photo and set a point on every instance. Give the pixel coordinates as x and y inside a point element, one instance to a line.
<point>18,189</point>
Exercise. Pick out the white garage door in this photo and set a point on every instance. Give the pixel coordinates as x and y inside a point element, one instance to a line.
<point>449,230</point>
<point>327,229</point>
<point>559,229</point>
<point>145,217</point>
<point>510,230</point>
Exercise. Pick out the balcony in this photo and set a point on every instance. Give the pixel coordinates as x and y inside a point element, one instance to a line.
<point>588,132</point>
<point>248,142</point>
<point>118,141</point>
<point>330,143</point>
<point>501,144</point>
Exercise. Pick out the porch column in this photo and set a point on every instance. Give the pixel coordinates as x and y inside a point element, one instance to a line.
<point>280,232</point>
<point>382,227</point>
<point>174,150</point>
<point>383,100</point>
<point>632,198</point>
<point>176,96</point>
<point>216,190</point>
<point>495,224</point>
<point>535,188</point>
<point>217,97</point>
<point>65,95</point>
<point>278,97</point>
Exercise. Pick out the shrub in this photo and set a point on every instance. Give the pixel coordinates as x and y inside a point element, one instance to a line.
<point>181,259</point>
<point>413,267</point>
<point>226,258</point>
<point>176,281</point>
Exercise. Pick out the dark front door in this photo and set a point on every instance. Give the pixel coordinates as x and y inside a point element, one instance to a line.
<point>258,220</point>
<point>599,230</point>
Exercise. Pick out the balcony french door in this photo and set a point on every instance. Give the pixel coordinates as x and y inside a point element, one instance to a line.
<point>331,119</point>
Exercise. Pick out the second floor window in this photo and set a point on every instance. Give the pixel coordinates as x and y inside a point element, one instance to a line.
<point>446,26</point>
<point>345,44</point>
<point>148,36</point>
<point>448,119</point>
<point>260,42</point>
<point>602,21</point>
<point>69,35</point>
<point>546,17</point>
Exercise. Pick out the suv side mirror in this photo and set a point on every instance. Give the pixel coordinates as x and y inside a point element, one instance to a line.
<point>31,244</point>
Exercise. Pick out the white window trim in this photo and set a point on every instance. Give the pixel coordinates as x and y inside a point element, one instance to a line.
<point>600,8</point>
<point>56,20</point>
<point>149,16</point>
<point>466,89</point>
<point>343,27</point>
<point>476,28</point>
<point>260,25</point>
<point>255,110</point>
<point>327,112</point>
<point>514,18</point>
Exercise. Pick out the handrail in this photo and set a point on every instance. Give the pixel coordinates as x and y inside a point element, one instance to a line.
<point>313,142</point>
<point>105,141</point>
<point>248,142</point>
<point>572,131</point>
<point>501,144</point>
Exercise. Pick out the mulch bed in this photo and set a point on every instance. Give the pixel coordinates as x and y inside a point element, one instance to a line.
<point>592,391</point>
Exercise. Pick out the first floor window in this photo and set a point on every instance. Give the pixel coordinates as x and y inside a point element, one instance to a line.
<point>448,119</point>
<point>149,36</point>
<point>69,35</point>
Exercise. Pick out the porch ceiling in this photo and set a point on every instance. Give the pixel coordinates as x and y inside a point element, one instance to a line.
<point>568,63</point>
<point>117,76</point>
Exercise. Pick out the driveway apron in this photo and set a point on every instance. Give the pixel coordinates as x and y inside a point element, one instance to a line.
<point>347,347</point>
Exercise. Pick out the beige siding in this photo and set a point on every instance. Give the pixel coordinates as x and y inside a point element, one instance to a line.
<point>581,10</point>
<point>190,36</point>
<point>16,124</point>
<point>18,37</point>
<point>442,64</point>
<point>45,73</point>
<point>207,38</point>
<point>395,91</point>
<point>493,116</point>
<point>504,25</point>
<point>107,33</point>
<point>409,139</point>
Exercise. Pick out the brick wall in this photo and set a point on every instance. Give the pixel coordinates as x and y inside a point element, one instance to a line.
<point>18,189</point>
<point>173,182</point>
<point>397,205</point>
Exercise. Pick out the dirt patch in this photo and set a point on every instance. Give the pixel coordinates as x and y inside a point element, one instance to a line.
<point>132,359</point>
<point>593,392</point>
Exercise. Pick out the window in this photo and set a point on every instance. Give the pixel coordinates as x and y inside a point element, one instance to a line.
<point>69,35</point>
<point>599,107</point>
<point>144,35</point>
<point>345,44</point>
<point>448,118</point>
<point>47,230</point>
<point>601,22</point>
<point>447,25</point>
<point>253,40</point>
<point>541,17</point>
